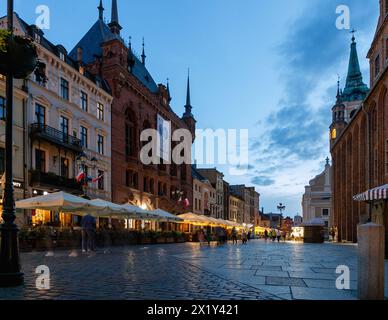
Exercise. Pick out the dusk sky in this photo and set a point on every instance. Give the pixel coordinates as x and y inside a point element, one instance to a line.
<point>267,66</point>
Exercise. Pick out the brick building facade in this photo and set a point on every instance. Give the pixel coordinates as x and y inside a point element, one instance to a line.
<point>138,102</point>
<point>359,145</point>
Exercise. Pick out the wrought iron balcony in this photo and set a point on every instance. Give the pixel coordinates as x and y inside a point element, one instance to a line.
<point>53,181</point>
<point>55,136</point>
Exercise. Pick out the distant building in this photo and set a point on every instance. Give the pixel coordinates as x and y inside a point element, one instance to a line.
<point>216,178</point>
<point>316,200</point>
<point>265,221</point>
<point>298,220</point>
<point>251,201</point>
<point>236,209</point>
<point>204,195</point>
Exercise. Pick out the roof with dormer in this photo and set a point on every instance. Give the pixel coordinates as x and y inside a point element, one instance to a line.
<point>91,48</point>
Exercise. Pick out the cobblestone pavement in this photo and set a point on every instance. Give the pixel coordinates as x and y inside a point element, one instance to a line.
<point>257,271</point>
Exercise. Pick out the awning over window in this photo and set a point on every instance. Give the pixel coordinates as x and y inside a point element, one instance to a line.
<point>379,193</point>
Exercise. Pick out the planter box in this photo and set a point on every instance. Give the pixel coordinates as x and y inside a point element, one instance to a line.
<point>161,240</point>
<point>170,240</point>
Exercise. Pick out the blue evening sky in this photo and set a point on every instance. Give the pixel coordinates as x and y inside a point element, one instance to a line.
<point>267,66</point>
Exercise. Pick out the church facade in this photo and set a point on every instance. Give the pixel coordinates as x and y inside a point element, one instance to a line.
<point>359,135</point>
<point>138,104</point>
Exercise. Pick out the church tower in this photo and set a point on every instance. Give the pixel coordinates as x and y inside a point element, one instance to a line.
<point>355,90</point>
<point>338,122</point>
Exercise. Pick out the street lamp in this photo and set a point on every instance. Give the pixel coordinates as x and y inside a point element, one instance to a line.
<point>10,274</point>
<point>281,207</point>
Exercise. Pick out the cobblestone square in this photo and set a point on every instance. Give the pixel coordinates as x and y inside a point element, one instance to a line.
<point>256,271</point>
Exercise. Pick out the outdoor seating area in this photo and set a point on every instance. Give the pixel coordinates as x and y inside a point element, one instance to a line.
<point>115,224</point>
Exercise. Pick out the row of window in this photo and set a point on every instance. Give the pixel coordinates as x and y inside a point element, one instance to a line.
<point>40,118</point>
<point>132,181</point>
<point>65,94</point>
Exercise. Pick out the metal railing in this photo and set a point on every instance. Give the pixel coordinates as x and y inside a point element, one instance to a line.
<point>55,136</point>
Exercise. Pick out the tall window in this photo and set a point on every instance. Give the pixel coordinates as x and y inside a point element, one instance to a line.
<point>2,161</point>
<point>40,160</point>
<point>152,186</point>
<point>101,182</point>
<point>325,212</point>
<point>64,167</point>
<point>2,108</point>
<point>129,135</point>
<point>65,128</point>
<point>386,157</point>
<point>64,89</point>
<point>377,66</point>
<point>100,111</point>
<point>84,101</point>
<point>40,114</point>
<point>84,137</point>
<point>183,172</point>
<point>386,49</point>
<point>145,184</point>
<point>376,167</point>
<point>100,144</point>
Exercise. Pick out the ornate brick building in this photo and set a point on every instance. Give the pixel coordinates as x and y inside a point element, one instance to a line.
<point>359,144</point>
<point>138,103</point>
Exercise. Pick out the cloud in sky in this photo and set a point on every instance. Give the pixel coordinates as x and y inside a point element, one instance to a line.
<point>290,151</point>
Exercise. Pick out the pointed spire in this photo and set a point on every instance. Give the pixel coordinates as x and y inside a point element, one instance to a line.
<point>168,90</point>
<point>100,11</point>
<point>143,56</point>
<point>355,88</point>
<point>338,90</point>
<point>188,102</point>
<point>114,23</point>
<point>188,106</point>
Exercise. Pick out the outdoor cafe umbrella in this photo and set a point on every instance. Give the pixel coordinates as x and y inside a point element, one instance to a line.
<point>136,212</point>
<point>59,201</point>
<point>164,216</point>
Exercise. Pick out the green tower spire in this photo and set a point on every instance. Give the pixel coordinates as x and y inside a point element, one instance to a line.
<point>355,88</point>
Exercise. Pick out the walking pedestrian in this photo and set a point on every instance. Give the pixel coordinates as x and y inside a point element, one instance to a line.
<point>266,235</point>
<point>273,235</point>
<point>278,234</point>
<point>201,237</point>
<point>249,235</point>
<point>284,235</point>
<point>88,225</point>
<point>234,235</point>
<point>244,237</point>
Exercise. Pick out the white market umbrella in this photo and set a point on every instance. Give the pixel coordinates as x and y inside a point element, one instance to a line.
<point>59,201</point>
<point>195,218</point>
<point>161,215</point>
<point>136,212</point>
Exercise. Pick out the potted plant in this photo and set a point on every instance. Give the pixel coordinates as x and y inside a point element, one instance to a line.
<point>17,55</point>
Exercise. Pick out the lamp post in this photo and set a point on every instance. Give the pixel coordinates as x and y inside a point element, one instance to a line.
<point>10,274</point>
<point>281,207</point>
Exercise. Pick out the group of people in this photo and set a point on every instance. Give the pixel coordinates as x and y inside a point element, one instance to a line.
<point>275,234</point>
<point>221,236</point>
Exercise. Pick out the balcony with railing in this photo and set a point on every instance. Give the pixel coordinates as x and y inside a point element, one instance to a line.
<point>55,136</point>
<point>54,182</point>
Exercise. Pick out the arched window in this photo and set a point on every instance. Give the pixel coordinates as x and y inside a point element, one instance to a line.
<point>183,172</point>
<point>130,134</point>
<point>152,186</point>
<point>333,134</point>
